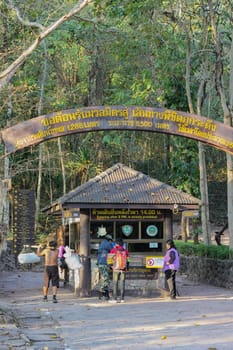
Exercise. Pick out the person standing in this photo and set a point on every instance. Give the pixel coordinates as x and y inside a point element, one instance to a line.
<point>104,248</point>
<point>120,263</point>
<point>50,270</point>
<point>170,266</point>
<point>61,258</point>
<point>62,263</point>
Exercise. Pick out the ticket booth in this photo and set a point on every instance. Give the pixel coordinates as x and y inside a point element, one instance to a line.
<point>127,204</point>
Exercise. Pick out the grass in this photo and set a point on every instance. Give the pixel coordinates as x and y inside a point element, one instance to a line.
<point>209,251</point>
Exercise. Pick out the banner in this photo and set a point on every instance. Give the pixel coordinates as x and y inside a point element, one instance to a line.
<point>98,118</point>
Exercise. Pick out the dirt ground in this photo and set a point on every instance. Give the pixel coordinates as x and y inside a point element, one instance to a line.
<point>200,318</point>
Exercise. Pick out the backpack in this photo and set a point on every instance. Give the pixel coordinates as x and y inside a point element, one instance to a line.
<point>119,260</point>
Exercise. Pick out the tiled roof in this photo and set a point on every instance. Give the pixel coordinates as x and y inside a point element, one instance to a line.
<point>123,185</point>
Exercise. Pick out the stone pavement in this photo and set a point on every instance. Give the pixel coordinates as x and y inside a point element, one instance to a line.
<point>200,319</point>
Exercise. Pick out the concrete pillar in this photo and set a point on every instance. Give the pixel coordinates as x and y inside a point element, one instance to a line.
<point>84,289</point>
<point>168,234</point>
<point>60,234</point>
<point>168,228</point>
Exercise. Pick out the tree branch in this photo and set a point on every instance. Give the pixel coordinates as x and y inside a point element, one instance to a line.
<point>8,73</point>
<point>23,21</point>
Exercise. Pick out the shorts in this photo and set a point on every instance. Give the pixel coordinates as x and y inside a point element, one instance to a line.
<point>51,274</point>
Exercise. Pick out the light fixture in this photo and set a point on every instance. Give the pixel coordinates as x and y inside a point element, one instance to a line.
<point>175,209</point>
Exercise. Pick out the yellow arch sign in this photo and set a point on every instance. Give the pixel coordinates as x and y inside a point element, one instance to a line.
<point>96,118</point>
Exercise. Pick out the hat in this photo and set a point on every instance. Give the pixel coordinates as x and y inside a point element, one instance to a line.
<point>108,237</point>
<point>119,241</point>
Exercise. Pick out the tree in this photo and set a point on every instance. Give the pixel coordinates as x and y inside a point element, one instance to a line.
<point>121,53</point>
<point>226,103</point>
<point>5,78</point>
<point>8,73</point>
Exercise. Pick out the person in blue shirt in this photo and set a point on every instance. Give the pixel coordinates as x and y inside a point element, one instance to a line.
<point>104,248</point>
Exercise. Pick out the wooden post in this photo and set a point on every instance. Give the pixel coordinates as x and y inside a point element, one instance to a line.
<point>168,226</point>
<point>183,228</point>
<point>84,289</point>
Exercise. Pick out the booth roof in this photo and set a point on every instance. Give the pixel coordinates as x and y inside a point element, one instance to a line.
<point>121,186</point>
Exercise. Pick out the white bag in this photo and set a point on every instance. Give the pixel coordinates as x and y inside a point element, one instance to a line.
<point>72,260</point>
<point>28,258</point>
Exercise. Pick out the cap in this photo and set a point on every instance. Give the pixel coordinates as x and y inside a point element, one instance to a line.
<point>108,236</point>
<point>119,241</point>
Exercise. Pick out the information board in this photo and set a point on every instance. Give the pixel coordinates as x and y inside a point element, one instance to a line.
<point>154,262</point>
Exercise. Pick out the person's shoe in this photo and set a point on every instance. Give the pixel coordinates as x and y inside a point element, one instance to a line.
<point>122,300</point>
<point>102,295</point>
<point>45,298</point>
<point>106,295</point>
<point>173,298</point>
<point>114,301</point>
<point>54,299</point>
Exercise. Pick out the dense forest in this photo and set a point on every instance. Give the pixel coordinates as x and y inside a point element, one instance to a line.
<point>176,54</point>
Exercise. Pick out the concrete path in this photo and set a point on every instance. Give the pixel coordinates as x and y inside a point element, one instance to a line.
<point>200,319</point>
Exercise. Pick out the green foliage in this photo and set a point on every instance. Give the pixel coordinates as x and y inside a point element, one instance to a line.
<point>209,251</point>
<point>184,166</point>
<point>41,238</point>
<point>116,52</point>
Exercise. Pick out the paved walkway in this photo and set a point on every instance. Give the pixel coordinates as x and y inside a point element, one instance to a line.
<point>200,319</point>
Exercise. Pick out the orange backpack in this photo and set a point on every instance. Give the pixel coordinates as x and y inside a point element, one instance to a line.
<point>119,260</point>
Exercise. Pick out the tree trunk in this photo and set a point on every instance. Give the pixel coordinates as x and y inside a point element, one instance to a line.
<point>184,229</point>
<point>219,70</point>
<point>38,190</point>
<point>62,165</point>
<point>5,184</point>
<point>96,75</point>
<point>229,157</point>
<point>202,164</point>
<point>41,147</point>
<point>204,195</point>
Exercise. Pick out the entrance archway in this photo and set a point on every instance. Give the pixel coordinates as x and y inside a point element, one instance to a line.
<point>96,118</point>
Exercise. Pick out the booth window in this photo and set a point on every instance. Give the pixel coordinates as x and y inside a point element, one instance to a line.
<point>142,247</point>
<point>97,227</point>
<point>127,230</point>
<point>139,237</point>
<point>152,230</point>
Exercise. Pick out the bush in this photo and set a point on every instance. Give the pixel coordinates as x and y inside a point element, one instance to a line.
<point>209,251</point>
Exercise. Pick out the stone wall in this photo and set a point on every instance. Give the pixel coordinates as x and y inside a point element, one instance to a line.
<point>215,272</point>
<point>204,270</point>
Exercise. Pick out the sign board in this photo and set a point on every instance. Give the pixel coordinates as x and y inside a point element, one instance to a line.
<point>70,216</point>
<point>67,214</point>
<point>190,214</point>
<point>139,273</point>
<point>126,214</point>
<point>96,118</point>
<point>154,262</point>
<point>153,244</point>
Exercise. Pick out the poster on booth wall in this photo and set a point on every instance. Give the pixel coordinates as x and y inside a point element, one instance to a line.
<point>154,262</point>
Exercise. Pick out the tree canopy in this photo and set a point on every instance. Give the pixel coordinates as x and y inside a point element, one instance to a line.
<point>111,52</point>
